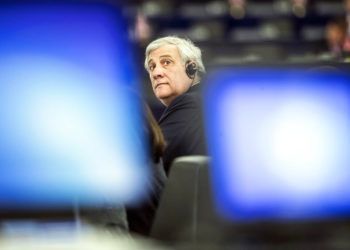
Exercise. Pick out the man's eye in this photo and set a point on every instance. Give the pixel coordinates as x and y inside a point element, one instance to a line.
<point>151,67</point>
<point>166,62</point>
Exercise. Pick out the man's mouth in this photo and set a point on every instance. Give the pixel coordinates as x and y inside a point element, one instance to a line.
<point>159,84</point>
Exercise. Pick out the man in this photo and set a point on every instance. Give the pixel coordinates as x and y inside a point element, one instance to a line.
<point>335,36</point>
<point>346,46</point>
<point>175,67</point>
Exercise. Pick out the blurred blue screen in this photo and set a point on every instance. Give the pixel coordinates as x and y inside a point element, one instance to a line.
<point>280,141</point>
<point>70,120</point>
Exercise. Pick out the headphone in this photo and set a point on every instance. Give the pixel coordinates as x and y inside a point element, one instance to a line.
<point>191,69</point>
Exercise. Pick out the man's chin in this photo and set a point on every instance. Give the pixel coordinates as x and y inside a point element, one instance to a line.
<point>161,94</point>
<point>165,99</point>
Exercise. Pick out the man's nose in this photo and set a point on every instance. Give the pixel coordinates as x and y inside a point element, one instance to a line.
<point>157,72</point>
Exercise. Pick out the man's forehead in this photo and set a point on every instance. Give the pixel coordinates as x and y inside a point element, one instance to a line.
<point>168,50</point>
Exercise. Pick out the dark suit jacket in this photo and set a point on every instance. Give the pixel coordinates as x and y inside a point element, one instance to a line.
<point>182,126</point>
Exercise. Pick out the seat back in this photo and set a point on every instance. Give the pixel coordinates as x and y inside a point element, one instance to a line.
<point>186,212</point>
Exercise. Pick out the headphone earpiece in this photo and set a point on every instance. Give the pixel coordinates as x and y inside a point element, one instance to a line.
<point>191,69</point>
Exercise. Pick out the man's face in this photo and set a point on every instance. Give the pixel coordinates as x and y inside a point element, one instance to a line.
<point>335,35</point>
<point>167,74</point>
<point>347,5</point>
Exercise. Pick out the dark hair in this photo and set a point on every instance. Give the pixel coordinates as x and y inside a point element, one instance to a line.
<point>155,135</point>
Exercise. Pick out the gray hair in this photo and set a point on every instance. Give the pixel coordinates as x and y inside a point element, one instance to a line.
<point>187,50</point>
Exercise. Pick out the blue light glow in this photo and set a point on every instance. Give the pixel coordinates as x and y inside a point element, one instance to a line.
<point>70,125</point>
<point>280,143</point>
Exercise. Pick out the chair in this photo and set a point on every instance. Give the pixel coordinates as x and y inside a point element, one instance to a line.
<point>186,212</point>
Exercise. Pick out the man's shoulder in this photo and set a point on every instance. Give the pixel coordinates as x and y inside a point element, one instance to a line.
<point>191,97</point>
<point>187,102</point>
<point>185,99</point>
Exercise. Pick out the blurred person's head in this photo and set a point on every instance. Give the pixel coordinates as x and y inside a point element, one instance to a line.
<point>174,65</point>
<point>143,30</point>
<point>347,5</point>
<point>336,33</point>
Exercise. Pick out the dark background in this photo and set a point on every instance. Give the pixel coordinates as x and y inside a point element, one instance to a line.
<point>260,31</point>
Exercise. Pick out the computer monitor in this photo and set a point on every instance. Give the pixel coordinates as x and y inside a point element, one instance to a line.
<point>71,123</point>
<point>279,137</point>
